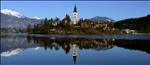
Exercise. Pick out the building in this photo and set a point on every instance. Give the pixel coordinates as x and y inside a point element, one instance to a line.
<point>128,31</point>
<point>75,15</point>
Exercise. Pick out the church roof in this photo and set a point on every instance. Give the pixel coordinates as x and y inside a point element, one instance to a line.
<point>75,9</point>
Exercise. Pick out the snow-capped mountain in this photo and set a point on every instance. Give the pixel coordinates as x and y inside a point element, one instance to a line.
<point>36,17</point>
<point>12,13</point>
<point>12,19</point>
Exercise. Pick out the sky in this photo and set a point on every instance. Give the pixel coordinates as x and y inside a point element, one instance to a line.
<point>116,10</point>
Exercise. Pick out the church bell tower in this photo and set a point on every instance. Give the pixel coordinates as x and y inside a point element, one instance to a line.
<point>75,15</point>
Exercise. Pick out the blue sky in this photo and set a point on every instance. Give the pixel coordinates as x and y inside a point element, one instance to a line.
<point>116,10</point>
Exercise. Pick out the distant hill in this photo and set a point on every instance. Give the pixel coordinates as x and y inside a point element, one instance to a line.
<point>102,19</point>
<point>141,23</point>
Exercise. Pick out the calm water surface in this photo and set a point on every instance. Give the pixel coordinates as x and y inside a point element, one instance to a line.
<point>38,49</point>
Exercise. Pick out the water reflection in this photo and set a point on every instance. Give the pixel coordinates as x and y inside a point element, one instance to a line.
<point>67,43</point>
<point>141,45</point>
<point>95,44</point>
<point>74,53</point>
<point>13,45</point>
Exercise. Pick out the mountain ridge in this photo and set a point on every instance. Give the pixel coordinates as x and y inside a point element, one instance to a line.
<point>102,19</point>
<point>12,13</point>
<point>9,21</point>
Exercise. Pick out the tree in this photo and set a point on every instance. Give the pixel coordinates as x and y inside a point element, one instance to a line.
<point>56,19</point>
<point>66,22</point>
<point>45,20</point>
<point>80,21</point>
<point>141,23</point>
<point>29,29</point>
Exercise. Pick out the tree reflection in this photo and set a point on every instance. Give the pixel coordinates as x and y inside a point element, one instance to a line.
<point>66,43</point>
<point>96,44</point>
<point>72,43</point>
<point>142,45</point>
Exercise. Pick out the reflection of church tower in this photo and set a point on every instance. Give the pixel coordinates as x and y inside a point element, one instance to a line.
<point>75,15</point>
<point>74,53</point>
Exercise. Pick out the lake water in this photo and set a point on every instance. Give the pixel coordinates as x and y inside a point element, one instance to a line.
<point>39,49</point>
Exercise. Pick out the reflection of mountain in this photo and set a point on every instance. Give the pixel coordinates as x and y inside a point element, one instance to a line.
<point>142,45</point>
<point>11,52</point>
<point>11,45</point>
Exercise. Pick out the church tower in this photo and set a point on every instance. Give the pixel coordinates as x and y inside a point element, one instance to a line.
<point>75,15</point>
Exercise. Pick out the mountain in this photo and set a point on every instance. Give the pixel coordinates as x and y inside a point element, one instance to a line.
<point>12,19</point>
<point>36,17</point>
<point>140,23</point>
<point>12,13</point>
<point>102,19</point>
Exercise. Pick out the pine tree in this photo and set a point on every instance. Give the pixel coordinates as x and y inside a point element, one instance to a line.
<point>67,21</point>
<point>29,29</point>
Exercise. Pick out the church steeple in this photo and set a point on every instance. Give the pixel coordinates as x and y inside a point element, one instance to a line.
<point>75,15</point>
<point>75,9</point>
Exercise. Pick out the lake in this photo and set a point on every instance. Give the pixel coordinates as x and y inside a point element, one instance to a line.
<point>57,49</point>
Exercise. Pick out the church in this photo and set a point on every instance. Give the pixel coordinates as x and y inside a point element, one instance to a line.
<point>75,15</point>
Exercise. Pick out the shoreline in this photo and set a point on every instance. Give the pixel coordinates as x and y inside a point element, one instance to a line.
<point>86,36</point>
<point>78,34</point>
